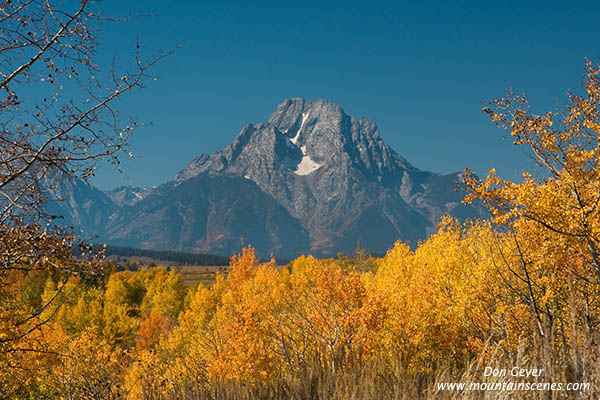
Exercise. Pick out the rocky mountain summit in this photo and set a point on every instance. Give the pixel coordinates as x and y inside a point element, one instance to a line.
<point>311,179</point>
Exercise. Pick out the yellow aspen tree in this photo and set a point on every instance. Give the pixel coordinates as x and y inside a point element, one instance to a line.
<point>566,199</point>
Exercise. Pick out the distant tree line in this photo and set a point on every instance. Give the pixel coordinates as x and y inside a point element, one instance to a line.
<point>166,255</point>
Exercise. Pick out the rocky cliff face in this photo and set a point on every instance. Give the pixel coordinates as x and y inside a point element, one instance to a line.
<point>78,205</point>
<point>128,195</point>
<point>311,179</point>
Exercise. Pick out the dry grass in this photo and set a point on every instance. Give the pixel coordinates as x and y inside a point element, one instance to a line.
<point>376,380</point>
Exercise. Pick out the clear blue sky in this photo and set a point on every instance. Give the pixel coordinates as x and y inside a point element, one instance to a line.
<point>420,70</point>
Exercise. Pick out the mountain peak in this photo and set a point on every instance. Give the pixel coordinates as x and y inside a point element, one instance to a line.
<point>289,113</point>
<point>301,138</point>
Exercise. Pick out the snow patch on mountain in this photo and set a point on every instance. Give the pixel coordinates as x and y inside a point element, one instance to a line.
<point>307,165</point>
<point>295,138</point>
